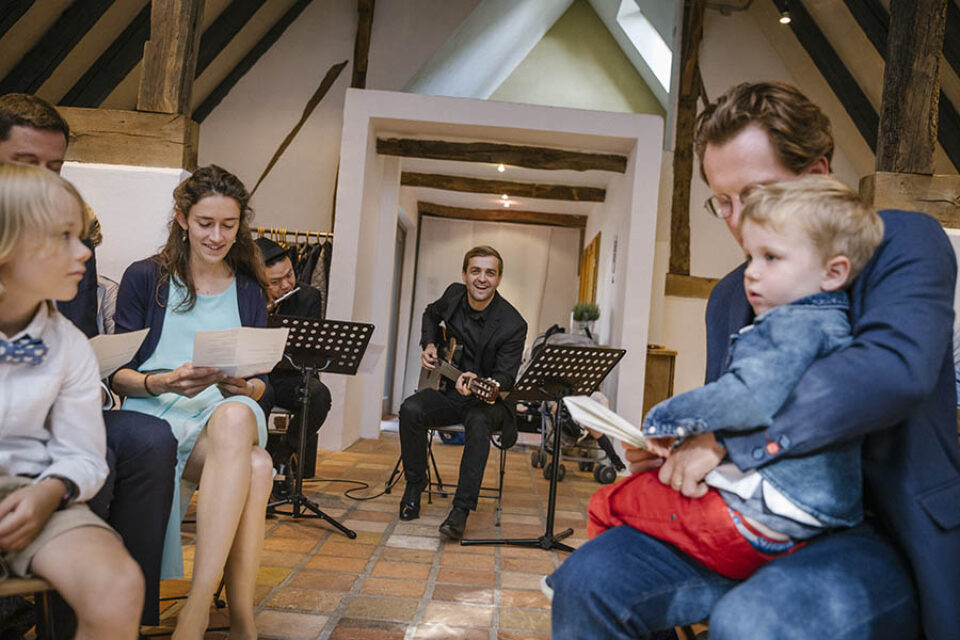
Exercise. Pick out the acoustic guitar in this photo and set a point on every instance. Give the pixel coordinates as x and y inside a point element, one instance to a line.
<point>487,389</point>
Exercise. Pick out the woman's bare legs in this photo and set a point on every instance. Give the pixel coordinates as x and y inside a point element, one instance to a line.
<point>221,461</point>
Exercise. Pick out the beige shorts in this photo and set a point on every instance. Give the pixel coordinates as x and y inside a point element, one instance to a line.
<point>74,516</point>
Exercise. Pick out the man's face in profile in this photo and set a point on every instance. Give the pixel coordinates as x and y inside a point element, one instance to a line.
<point>280,278</point>
<point>38,147</point>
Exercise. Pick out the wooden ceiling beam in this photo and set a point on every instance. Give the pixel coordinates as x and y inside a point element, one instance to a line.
<point>361,46</point>
<point>263,45</point>
<point>517,189</point>
<point>843,84</point>
<point>519,156</point>
<point>503,215</point>
<point>170,56</point>
<point>227,25</point>
<point>36,66</point>
<point>11,11</point>
<point>112,66</point>
<point>951,38</point>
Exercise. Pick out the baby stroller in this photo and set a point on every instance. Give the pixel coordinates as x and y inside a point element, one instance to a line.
<point>578,445</point>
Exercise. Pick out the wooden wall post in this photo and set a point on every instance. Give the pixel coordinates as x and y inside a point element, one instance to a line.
<point>170,56</point>
<point>683,142</point>
<point>361,46</point>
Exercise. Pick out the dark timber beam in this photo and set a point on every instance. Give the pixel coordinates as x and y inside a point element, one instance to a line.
<point>529,157</point>
<point>911,86</point>
<point>170,56</point>
<point>502,215</point>
<point>874,20</point>
<point>11,11</point>
<point>517,189</point>
<point>263,45</point>
<point>227,25</point>
<point>689,91</point>
<point>112,66</point>
<point>844,86</point>
<point>43,58</point>
<point>361,46</point>
<point>951,37</point>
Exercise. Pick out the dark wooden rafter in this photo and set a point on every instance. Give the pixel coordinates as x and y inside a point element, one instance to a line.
<point>43,58</point>
<point>112,66</point>
<point>170,56</point>
<point>263,45</point>
<point>227,25</point>
<point>517,189</point>
<point>520,156</point>
<point>11,11</point>
<point>951,37</point>
<point>361,46</point>
<point>689,91</point>
<point>874,20</point>
<point>517,216</point>
<point>843,84</point>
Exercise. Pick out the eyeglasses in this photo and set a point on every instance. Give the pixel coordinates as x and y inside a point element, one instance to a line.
<point>721,206</point>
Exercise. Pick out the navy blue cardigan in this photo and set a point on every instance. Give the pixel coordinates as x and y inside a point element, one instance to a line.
<point>894,384</point>
<point>139,305</point>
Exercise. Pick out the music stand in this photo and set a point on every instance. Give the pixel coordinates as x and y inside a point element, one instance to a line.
<point>558,371</point>
<point>331,346</point>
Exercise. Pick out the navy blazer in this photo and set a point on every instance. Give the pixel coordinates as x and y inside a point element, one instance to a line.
<point>895,385</point>
<point>141,304</point>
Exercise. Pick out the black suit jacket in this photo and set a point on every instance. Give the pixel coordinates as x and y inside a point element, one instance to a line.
<point>305,303</point>
<point>501,343</point>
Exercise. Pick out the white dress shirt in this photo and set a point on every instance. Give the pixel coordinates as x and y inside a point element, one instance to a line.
<point>50,414</point>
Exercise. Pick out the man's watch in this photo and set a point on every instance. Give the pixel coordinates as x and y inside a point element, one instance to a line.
<point>70,494</point>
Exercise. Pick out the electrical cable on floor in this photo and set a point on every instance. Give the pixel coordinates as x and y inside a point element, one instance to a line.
<point>363,485</point>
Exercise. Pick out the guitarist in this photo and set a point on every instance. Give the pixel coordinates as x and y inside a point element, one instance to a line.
<point>492,335</point>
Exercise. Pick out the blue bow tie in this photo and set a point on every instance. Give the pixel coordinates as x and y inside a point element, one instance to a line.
<point>26,349</point>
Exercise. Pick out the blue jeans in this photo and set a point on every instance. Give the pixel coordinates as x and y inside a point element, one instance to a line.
<point>625,584</point>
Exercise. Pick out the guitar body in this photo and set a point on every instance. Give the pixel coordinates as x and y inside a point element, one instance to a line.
<point>445,372</point>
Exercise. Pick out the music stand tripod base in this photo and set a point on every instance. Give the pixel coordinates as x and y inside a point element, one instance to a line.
<point>331,346</point>
<point>558,371</point>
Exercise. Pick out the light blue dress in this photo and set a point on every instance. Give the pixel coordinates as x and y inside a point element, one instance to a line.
<point>188,416</point>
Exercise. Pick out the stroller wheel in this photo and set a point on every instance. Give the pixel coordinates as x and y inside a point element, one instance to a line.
<point>548,472</point>
<point>538,458</point>
<point>604,474</point>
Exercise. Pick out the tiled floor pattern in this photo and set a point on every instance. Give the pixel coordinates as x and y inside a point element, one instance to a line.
<point>400,580</point>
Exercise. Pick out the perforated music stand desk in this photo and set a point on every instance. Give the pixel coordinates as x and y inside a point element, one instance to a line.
<point>330,346</point>
<point>558,371</point>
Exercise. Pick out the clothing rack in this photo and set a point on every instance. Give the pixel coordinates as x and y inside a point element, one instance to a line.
<point>283,233</point>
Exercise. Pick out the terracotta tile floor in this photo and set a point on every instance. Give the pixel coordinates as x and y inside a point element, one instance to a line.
<point>400,579</point>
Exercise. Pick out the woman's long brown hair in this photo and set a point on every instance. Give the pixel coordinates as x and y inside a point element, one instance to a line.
<point>243,256</point>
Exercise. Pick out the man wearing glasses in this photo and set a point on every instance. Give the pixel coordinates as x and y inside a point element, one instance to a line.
<point>894,576</point>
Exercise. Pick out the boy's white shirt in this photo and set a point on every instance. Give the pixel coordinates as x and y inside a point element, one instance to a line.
<point>51,420</point>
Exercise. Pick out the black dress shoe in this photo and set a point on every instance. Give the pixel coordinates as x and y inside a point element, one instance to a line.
<point>410,503</point>
<point>455,523</point>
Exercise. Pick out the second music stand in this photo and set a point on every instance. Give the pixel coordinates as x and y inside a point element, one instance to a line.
<point>331,346</point>
<point>558,371</point>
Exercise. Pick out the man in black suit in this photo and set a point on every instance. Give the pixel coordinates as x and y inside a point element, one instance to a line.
<point>282,390</point>
<point>492,334</point>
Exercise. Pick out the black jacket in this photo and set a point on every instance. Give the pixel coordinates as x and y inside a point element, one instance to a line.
<point>305,303</point>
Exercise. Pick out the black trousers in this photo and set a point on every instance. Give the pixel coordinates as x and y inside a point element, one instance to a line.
<point>282,392</point>
<point>135,500</point>
<point>430,408</point>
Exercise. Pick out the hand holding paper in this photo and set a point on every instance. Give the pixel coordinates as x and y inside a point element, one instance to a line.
<point>239,353</point>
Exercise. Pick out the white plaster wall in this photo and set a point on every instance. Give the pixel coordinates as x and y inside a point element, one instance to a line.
<point>134,206</point>
<point>245,129</point>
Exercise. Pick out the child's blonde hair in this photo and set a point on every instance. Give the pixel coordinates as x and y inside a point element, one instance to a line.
<point>834,217</point>
<point>27,205</point>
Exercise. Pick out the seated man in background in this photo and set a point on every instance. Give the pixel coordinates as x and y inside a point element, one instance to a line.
<point>288,298</point>
<point>141,450</point>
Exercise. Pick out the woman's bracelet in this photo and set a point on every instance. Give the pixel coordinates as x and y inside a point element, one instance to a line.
<point>146,388</point>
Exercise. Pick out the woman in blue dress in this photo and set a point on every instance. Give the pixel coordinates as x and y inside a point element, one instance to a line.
<point>207,277</point>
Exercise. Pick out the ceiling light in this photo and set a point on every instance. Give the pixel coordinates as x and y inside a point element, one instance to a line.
<point>785,17</point>
<point>501,168</point>
<point>506,204</point>
<point>504,197</point>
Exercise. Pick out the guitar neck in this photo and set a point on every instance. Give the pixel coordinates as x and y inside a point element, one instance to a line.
<point>448,371</point>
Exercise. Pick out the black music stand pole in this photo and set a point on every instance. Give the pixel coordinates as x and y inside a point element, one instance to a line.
<point>332,346</point>
<point>556,372</point>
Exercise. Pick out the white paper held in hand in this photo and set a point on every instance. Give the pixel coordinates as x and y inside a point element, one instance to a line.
<point>590,413</point>
<point>113,350</point>
<point>239,353</point>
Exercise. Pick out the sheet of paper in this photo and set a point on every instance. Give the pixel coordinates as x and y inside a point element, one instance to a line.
<point>239,353</point>
<point>114,350</point>
<point>590,413</point>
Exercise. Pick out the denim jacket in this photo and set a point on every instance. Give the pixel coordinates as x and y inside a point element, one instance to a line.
<point>764,365</point>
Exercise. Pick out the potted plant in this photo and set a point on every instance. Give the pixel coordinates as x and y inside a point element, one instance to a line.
<point>585,314</point>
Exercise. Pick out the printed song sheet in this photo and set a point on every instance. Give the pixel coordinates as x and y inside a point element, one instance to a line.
<point>590,413</point>
<point>116,349</point>
<point>239,353</point>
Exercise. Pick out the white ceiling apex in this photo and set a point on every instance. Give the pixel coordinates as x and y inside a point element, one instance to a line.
<point>487,47</point>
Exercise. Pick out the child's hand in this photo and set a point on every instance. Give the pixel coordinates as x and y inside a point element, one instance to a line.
<point>661,446</point>
<point>25,512</point>
<point>641,460</point>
